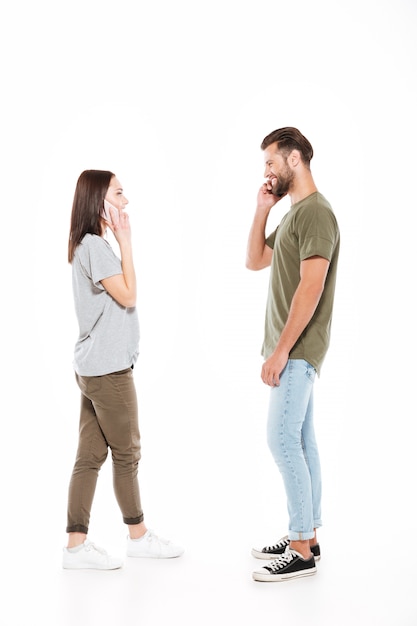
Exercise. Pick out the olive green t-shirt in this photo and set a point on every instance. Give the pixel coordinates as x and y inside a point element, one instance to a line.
<point>308,229</point>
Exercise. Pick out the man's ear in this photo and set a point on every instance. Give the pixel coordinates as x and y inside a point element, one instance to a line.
<point>294,157</point>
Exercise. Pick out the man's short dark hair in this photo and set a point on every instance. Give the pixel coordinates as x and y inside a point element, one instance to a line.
<point>288,139</point>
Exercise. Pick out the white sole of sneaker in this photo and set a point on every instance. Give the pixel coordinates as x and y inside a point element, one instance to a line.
<point>152,556</point>
<point>97,567</point>
<point>277,578</point>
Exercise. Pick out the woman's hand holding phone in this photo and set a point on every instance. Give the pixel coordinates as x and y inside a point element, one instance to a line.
<point>118,222</point>
<point>110,213</point>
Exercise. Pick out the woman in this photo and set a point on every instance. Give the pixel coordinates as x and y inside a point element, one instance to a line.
<point>104,289</point>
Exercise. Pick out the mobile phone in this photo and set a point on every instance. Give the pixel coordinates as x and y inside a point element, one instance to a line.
<point>106,213</point>
<point>277,195</point>
<point>272,193</point>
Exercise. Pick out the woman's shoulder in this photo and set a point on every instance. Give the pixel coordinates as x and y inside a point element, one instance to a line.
<point>92,244</point>
<point>90,240</point>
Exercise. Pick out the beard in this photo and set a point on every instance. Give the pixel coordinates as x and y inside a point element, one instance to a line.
<point>283,183</point>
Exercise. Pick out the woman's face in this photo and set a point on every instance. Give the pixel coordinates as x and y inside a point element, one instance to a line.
<point>115,195</point>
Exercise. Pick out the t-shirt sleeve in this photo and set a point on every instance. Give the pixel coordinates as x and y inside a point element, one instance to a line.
<point>318,233</point>
<point>98,260</point>
<point>270,240</point>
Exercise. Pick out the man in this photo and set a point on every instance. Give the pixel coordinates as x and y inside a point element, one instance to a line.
<point>302,253</point>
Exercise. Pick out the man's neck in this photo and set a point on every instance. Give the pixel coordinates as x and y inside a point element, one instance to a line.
<point>302,188</point>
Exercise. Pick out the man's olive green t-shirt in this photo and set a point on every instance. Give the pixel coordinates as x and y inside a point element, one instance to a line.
<point>308,229</point>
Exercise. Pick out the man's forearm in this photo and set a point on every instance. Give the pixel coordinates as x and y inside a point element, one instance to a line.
<point>256,243</point>
<point>303,306</point>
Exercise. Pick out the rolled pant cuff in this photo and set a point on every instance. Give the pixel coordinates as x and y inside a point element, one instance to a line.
<point>133,520</point>
<point>305,536</point>
<point>77,528</point>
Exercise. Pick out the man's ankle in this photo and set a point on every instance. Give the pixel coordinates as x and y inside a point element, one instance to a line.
<point>302,547</point>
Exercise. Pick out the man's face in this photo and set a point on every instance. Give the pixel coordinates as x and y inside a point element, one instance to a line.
<point>277,171</point>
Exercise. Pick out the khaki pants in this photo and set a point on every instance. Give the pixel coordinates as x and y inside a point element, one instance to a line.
<point>108,419</point>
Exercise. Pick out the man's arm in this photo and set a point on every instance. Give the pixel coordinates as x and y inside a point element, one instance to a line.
<point>313,272</point>
<point>258,254</point>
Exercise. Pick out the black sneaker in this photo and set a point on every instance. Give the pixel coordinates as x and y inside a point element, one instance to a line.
<point>272,552</point>
<point>289,565</point>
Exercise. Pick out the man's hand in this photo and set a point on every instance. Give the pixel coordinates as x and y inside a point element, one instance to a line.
<point>266,199</point>
<point>272,368</point>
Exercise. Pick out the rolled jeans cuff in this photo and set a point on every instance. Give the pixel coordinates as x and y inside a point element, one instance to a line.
<point>293,536</point>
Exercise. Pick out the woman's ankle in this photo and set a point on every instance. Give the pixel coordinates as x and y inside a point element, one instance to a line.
<point>76,539</point>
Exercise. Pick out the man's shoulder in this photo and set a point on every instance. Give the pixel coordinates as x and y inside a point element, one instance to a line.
<point>315,200</point>
<point>315,207</point>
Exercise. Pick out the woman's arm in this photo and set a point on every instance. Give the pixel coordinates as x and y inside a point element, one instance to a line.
<point>122,287</point>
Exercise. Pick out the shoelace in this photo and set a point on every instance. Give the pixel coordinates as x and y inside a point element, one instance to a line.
<point>282,561</point>
<point>92,546</point>
<point>151,536</point>
<point>282,543</point>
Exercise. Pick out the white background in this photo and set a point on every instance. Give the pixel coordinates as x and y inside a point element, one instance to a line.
<point>175,98</point>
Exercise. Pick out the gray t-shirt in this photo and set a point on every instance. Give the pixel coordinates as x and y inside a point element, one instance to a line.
<point>108,338</point>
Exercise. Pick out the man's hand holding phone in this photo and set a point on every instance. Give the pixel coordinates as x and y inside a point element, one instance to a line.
<point>266,198</point>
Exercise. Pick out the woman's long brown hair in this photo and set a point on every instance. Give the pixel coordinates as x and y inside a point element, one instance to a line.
<point>91,189</point>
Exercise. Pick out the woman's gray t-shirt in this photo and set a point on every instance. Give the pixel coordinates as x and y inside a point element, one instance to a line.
<point>108,338</point>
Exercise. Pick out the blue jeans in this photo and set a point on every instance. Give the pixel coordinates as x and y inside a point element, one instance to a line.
<point>293,445</point>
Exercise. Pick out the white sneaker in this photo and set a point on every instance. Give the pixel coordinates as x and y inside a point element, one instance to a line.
<point>152,546</point>
<point>89,556</point>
